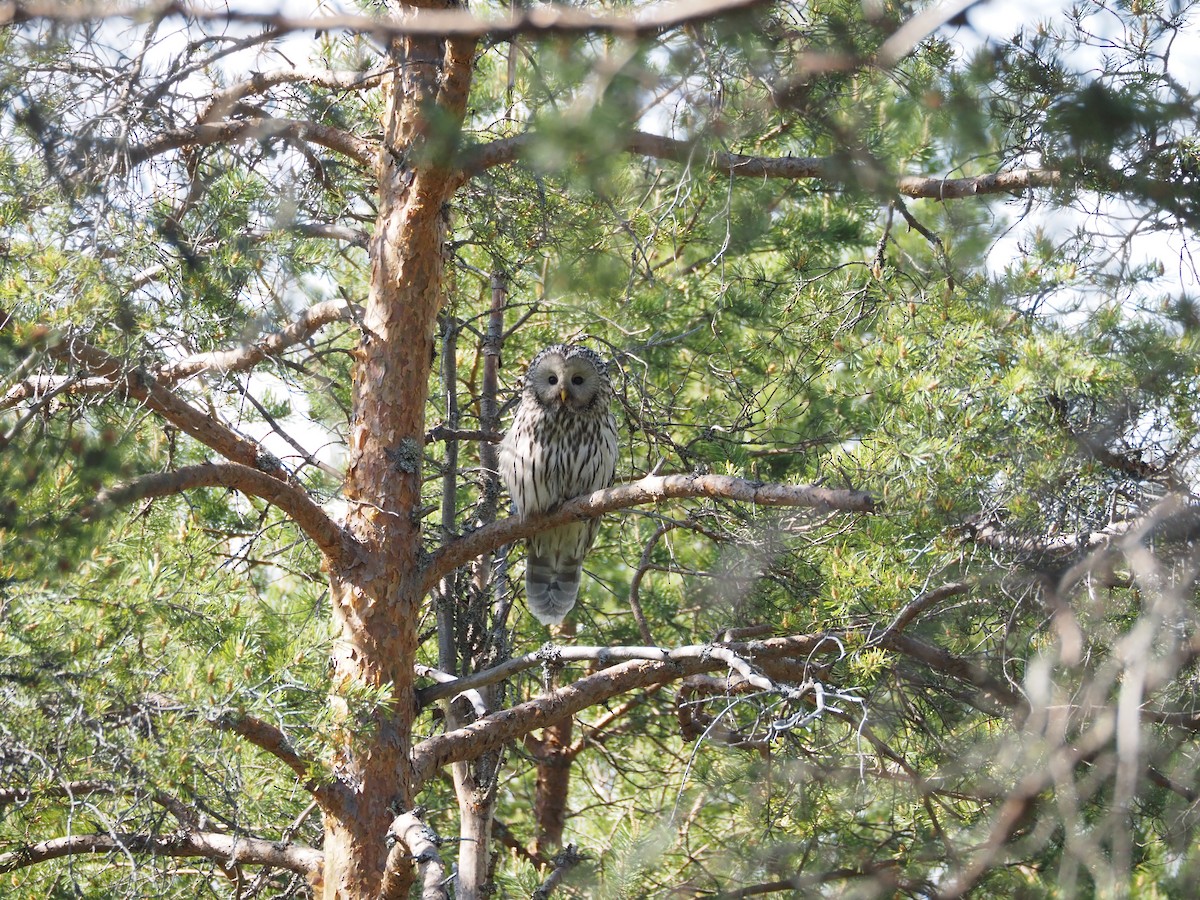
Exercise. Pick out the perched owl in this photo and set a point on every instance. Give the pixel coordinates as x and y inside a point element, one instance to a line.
<point>562,443</point>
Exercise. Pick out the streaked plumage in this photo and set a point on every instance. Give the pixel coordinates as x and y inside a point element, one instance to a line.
<point>562,443</point>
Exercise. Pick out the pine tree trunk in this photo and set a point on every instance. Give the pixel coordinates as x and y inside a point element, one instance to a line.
<point>554,758</point>
<point>376,602</point>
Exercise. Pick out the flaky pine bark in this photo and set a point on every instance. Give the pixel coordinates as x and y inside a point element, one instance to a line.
<point>376,600</point>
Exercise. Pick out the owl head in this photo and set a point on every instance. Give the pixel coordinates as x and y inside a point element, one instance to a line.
<point>569,377</point>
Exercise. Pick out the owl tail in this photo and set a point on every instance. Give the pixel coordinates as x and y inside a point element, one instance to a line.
<point>551,586</point>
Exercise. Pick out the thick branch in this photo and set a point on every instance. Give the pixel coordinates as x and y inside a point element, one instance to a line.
<point>415,842</point>
<point>494,731</point>
<point>1015,181</point>
<point>832,169</point>
<point>646,666</point>
<point>242,358</point>
<point>796,645</point>
<point>226,849</point>
<point>651,489</point>
<point>292,499</point>
<point>437,23</point>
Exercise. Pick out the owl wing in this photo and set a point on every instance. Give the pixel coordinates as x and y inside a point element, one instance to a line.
<point>554,566</point>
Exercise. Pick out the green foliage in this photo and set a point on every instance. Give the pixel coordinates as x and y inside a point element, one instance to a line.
<point>998,380</point>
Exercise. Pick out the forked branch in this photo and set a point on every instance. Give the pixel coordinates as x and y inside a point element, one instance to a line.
<point>648,666</point>
<point>414,842</point>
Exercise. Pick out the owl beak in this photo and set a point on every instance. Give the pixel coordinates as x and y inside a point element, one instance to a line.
<point>563,395</point>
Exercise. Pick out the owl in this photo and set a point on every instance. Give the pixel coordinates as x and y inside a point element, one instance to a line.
<point>562,443</point>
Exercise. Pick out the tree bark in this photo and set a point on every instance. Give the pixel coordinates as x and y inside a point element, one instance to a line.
<point>376,603</point>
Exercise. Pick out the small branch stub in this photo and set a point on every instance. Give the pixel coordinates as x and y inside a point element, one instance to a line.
<point>564,861</point>
<point>415,842</point>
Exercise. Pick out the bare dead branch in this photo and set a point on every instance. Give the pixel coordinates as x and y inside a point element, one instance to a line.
<point>646,666</point>
<point>541,20</point>
<point>415,842</point>
<point>238,360</point>
<point>292,499</point>
<point>651,489</point>
<point>69,789</point>
<point>443,433</point>
<point>993,534</point>
<point>635,583</point>
<point>222,102</point>
<point>356,237</point>
<point>207,133</point>
<point>832,169</point>
<point>72,789</point>
<point>229,850</point>
<point>925,188</point>
<point>550,654</point>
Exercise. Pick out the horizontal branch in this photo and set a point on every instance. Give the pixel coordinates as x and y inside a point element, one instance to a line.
<point>207,133</point>
<point>651,489</point>
<point>72,790</point>
<point>795,645</point>
<point>833,169</point>
<point>291,498</point>
<point>642,667</point>
<point>547,19</point>
<point>229,850</point>
<point>492,732</point>
<point>223,101</point>
<point>238,360</point>
<point>992,534</point>
<point>1017,180</point>
<point>649,666</point>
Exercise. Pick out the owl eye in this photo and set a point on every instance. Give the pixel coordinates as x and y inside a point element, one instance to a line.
<point>577,380</point>
<point>553,379</point>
